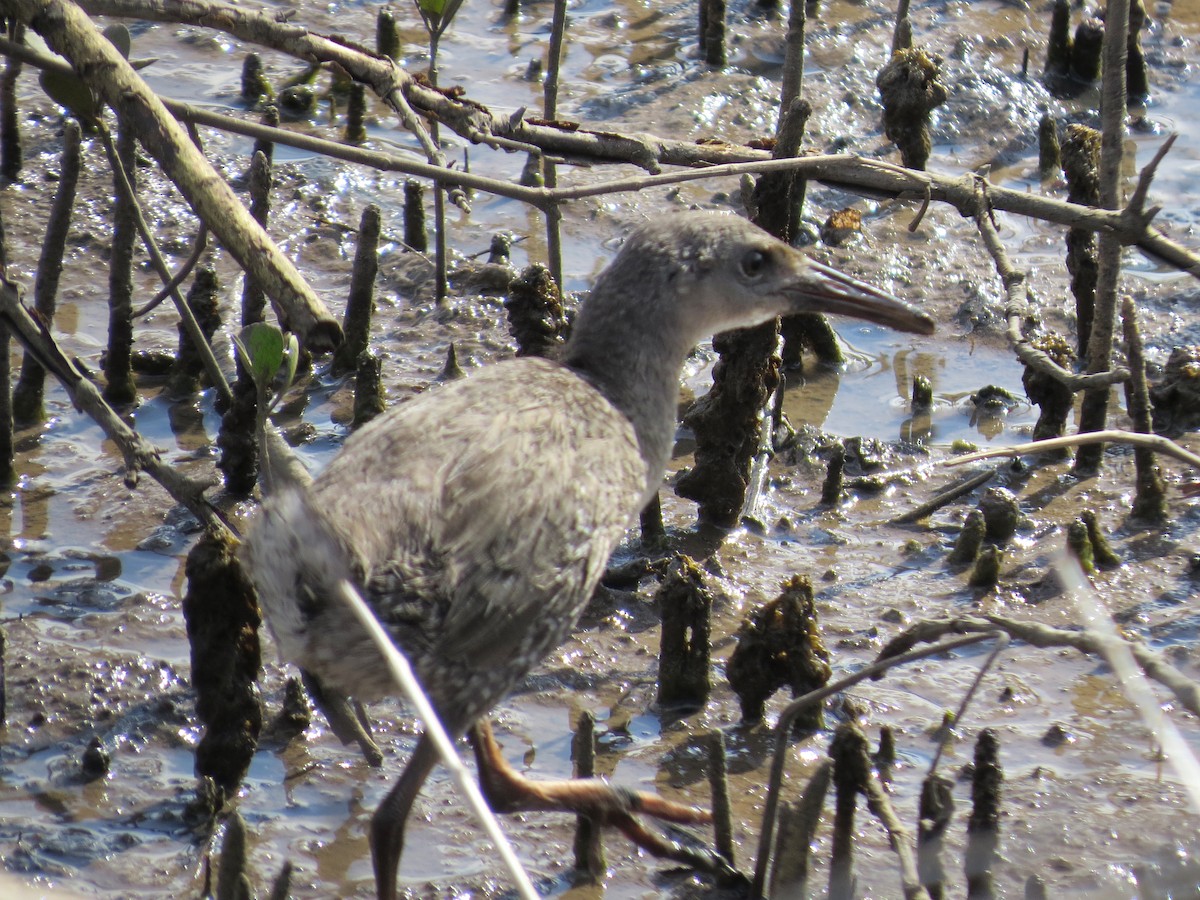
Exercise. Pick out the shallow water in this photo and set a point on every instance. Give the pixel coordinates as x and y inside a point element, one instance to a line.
<point>96,644</point>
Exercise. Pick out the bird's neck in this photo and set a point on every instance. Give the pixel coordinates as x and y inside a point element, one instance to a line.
<point>636,367</point>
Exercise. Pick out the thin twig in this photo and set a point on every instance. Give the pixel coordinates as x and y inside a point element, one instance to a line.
<point>899,838</point>
<point>1002,642</point>
<point>1135,208</point>
<point>199,245</point>
<point>211,367</point>
<point>1186,691</point>
<point>1016,310</point>
<point>1118,654</point>
<point>1155,442</point>
<point>949,495</point>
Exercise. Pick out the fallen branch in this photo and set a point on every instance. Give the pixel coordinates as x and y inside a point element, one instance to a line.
<point>1016,310</point>
<point>1186,691</point>
<point>899,838</point>
<point>949,495</point>
<point>1154,442</point>
<point>68,31</point>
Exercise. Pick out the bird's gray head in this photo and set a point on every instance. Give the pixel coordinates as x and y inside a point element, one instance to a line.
<point>700,273</point>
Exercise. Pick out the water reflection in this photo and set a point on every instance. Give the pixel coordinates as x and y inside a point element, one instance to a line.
<point>856,401</point>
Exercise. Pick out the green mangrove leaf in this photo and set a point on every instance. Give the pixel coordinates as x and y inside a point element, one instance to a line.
<point>438,13</point>
<point>261,348</point>
<point>292,354</point>
<point>71,93</point>
<point>118,36</point>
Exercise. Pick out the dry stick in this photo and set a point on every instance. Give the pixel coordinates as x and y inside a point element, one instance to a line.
<point>1002,641</point>
<point>1150,500</point>
<point>947,496</point>
<point>119,386</point>
<point>10,118</point>
<point>199,246</point>
<point>1017,311</point>
<point>553,211</point>
<point>1186,691</point>
<point>899,837</point>
<point>589,845</point>
<point>1136,207</point>
<point>30,389</point>
<point>718,781</point>
<point>361,303</point>
<point>798,706</point>
<point>1155,442</point>
<point>1122,658</point>
<point>68,31</point>
<point>789,875</point>
<point>202,346</point>
<point>137,453</point>
<point>1093,412</point>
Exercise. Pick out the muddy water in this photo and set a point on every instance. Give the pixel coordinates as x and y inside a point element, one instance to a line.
<point>96,645</point>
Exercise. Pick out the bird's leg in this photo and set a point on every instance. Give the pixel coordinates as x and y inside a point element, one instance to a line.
<point>348,724</point>
<point>507,792</point>
<point>387,825</point>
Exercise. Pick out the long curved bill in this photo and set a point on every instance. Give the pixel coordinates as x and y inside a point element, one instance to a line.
<point>821,288</point>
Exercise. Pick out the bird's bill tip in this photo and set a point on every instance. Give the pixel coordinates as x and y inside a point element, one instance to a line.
<point>824,289</point>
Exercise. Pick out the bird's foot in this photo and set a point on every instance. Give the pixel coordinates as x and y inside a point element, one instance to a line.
<point>604,803</point>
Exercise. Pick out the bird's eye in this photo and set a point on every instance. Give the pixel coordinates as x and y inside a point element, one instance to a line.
<point>754,263</point>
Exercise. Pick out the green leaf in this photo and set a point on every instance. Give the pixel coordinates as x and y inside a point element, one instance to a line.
<point>292,354</point>
<point>438,13</point>
<point>118,36</point>
<point>72,93</point>
<point>69,92</point>
<point>261,348</point>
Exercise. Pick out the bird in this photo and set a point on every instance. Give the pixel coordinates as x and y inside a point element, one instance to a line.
<point>477,519</point>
